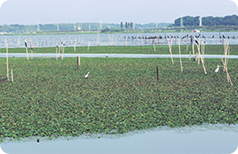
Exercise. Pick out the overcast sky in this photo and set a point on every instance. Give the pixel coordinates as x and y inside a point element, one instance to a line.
<point>110,11</point>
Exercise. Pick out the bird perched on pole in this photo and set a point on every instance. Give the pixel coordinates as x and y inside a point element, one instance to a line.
<point>86,76</point>
<point>217,69</point>
<point>197,42</point>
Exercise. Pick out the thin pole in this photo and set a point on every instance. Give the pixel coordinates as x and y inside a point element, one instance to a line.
<point>74,44</point>
<point>193,49</point>
<point>170,50</point>
<point>12,75</point>
<point>180,56</point>
<point>157,73</point>
<point>62,54</point>
<point>78,61</point>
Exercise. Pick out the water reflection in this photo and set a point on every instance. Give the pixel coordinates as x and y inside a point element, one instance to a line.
<point>217,139</point>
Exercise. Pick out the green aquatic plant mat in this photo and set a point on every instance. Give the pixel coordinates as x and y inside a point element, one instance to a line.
<point>160,49</point>
<point>51,98</point>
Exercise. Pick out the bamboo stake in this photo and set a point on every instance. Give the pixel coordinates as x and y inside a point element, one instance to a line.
<point>189,55</point>
<point>26,50</point>
<point>170,50</point>
<point>74,44</point>
<point>228,76</point>
<point>12,75</point>
<point>63,54</point>
<point>88,44</point>
<point>180,56</point>
<point>193,50</point>
<point>198,47</point>
<point>226,52</point>
<point>203,52</point>
<point>78,61</point>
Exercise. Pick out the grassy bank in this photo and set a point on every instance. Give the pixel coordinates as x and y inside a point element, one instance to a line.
<point>160,49</point>
<point>51,98</point>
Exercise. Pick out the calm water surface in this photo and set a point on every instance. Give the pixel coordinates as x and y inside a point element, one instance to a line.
<point>113,39</point>
<point>205,139</point>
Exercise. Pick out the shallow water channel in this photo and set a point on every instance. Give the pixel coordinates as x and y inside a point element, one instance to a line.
<point>205,139</point>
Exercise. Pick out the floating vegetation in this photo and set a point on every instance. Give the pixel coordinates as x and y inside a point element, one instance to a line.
<point>160,49</point>
<point>50,98</point>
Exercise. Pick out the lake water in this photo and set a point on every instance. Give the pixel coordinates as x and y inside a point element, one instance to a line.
<point>205,139</point>
<point>113,39</point>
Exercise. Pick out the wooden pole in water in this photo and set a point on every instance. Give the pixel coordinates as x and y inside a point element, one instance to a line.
<point>74,44</point>
<point>62,54</point>
<point>78,61</point>
<point>7,60</point>
<point>203,52</point>
<point>26,50</point>
<point>88,44</point>
<point>189,55</point>
<point>198,47</point>
<point>170,50</point>
<point>12,75</point>
<point>228,76</point>
<point>193,50</point>
<point>226,51</point>
<point>157,73</point>
<point>181,65</point>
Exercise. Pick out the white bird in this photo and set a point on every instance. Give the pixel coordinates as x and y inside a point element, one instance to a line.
<point>217,69</point>
<point>86,75</point>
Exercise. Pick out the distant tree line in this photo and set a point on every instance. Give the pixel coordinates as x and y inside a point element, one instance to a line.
<point>207,21</point>
<point>128,25</point>
<point>16,28</point>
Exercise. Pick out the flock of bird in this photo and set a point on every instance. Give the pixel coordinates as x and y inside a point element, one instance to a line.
<point>186,36</point>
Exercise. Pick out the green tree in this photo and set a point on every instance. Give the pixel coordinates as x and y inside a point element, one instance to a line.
<point>121,25</point>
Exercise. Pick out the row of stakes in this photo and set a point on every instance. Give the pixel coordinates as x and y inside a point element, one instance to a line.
<point>198,55</point>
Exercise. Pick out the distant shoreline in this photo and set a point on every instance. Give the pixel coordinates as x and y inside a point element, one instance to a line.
<point>78,33</point>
